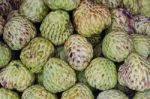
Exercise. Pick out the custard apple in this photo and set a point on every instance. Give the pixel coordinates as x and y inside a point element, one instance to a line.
<point>12,14</point>
<point>37,92</point>
<point>2,23</point>
<point>58,76</point>
<point>8,94</point>
<point>18,32</point>
<point>34,10</point>
<point>16,76</point>
<point>109,3</point>
<point>62,4</point>
<point>57,27</point>
<point>35,55</point>
<point>122,20</point>
<point>79,91</point>
<point>141,44</point>
<point>5,55</point>
<point>101,74</point>
<point>5,7</point>
<point>117,46</point>
<point>122,88</point>
<point>94,40</point>
<point>91,19</point>
<point>135,73</point>
<point>142,25</point>
<point>79,52</point>
<point>142,95</point>
<point>112,94</point>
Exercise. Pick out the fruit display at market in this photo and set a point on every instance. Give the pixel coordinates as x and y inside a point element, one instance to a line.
<point>74,49</point>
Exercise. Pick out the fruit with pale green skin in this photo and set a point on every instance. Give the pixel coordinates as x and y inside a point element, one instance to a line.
<point>117,46</point>
<point>18,32</point>
<point>109,3</point>
<point>5,7</point>
<point>2,23</point>
<point>35,55</point>
<point>37,92</point>
<point>138,6</point>
<point>67,5</point>
<point>58,76</point>
<point>122,20</point>
<point>8,94</point>
<point>58,30</point>
<point>79,52</point>
<point>5,55</point>
<point>142,95</point>
<point>60,53</point>
<point>101,74</point>
<point>34,10</point>
<point>112,94</point>
<point>91,19</point>
<point>135,72</point>
<point>142,25</point>
<point>16,76</point>
<point>141,44</point>
<point>79,91</point>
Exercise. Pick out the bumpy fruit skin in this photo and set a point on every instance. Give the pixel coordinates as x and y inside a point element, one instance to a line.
<point>58,76</point>
<point>142,95</point>
<point>91,19</point>
<point>16,76</point>
<point>8,94</point>
<point>141,44</point>
<point>79,52</point>
<point>101,74</point>
<point>5,7</point>
<point>135,73</point>
<point>144,7</point>
<point>18,32</point>
<point>109,3</point>
<point>142,25</point>
<point>122,20</point>
<point>15,3</point>
<point>117,46</point>
<point>34,10</point>
<point>112,94</point>
<point>60,53</point>
<point>79,91</point>
<point>94,40</point>
<point>2,23</point>
<point>64,5</point>
<point>37,92</point>
<point>35,55</point>
<point>5,55</point>
<point>57,27</point>
<point>12,14</point>
<point>122,88</point>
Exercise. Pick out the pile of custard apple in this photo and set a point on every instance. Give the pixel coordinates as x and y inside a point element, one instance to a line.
<point>74,49</point>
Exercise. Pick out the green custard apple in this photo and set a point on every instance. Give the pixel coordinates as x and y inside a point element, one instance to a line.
<point>79,91</point>
<point>142,25</point>
<point>57,27</point>
<point>8,94</point>
<point>112,94</point>
<point>91,19</point>
<point>101,74</point>
<point>5,55</point>
<point>16,76</point>
<point>141,44</point>
<point>18,32</point>
<point>117,45</point>
<point>37,92</point>
<point>35,55</point>
<point>5,7</point>
<point>58,76</point>
<point>135,73</point>
<point>109,3</point>
<point>142,95</point>
<point>79,52</point>
<point>122,88</point>
<point>34,10</point>
<point>67,5</point>
<point>122,20</point>
<point>2,23</point>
